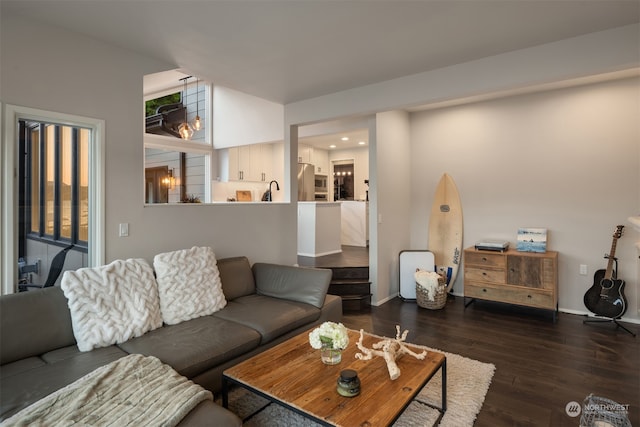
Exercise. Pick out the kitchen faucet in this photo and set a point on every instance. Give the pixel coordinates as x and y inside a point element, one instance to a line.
<point>266,197</point>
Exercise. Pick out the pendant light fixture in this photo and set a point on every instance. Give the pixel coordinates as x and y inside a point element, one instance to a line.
<point>197,124</point>
<point>185,130</point>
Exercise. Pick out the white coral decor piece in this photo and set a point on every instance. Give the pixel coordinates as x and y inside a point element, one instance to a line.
<point>334,335</point>
<point>428,280</point>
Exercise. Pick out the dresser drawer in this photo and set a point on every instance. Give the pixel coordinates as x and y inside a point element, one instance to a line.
<point>484,275</point>
<point>511,295</point>
<point>485,259</point>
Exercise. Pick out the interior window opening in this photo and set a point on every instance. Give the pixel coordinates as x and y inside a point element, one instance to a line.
<point>174,176</point>
<point>177,147</point>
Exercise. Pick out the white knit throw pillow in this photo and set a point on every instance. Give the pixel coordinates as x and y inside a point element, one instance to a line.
<point>188,284</point>
<point>112,303</point>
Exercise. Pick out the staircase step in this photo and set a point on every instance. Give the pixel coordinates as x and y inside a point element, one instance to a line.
<point>350,281</point>
<point>350,273</point>
<point>356,302</point>
<point>353,286</point>
<point>361,288</point>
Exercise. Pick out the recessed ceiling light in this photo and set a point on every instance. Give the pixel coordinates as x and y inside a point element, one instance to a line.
<point>361,143</point>
<point>345,138</point>
<point>332,146</point>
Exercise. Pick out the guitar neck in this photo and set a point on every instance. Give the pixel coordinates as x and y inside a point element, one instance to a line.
<point>612,253</point>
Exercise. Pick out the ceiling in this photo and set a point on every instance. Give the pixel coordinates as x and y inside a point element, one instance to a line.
<point>287,51</point>
<point>335,141</point>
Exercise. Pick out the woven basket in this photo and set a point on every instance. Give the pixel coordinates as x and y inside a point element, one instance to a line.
<point>439,300</point>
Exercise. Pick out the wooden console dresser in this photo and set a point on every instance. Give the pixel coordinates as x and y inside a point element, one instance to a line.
<point>513,277</point>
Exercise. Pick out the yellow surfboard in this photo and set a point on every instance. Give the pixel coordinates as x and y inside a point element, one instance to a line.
<point>445,230</point>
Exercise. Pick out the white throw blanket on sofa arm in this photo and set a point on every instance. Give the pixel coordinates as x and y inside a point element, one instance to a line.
<point>133,391</point>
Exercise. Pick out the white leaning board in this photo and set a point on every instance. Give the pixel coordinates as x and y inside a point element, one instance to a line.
<point>409,261</point>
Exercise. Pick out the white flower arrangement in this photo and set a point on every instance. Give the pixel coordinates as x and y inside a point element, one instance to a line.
<point>334,335</point>
<point>428,280</point>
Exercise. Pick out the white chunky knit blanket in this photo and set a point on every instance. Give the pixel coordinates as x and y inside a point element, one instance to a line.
<point>133,391</point>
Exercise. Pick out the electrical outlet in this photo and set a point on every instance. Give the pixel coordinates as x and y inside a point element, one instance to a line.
<point>583,269</point>
<point>124,229</point>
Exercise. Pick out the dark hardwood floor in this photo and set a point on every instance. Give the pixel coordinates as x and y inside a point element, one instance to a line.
<point>540,365</point>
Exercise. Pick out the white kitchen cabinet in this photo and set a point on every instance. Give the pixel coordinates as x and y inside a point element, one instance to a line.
<point>261,162</point>
<point>228,164</point>
<point>305,153</point>
<point>320,159</point>
<point>246,163</point>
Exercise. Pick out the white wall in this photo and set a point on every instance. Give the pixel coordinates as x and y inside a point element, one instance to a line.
<point>52,69</point>
<point>565,160</point>
<point>389,211</point>
<point>242,119</point>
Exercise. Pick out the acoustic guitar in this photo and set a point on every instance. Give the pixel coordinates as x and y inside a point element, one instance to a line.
<point>606,296</point>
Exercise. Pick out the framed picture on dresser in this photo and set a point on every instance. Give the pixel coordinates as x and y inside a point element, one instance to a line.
<point>532,240</point>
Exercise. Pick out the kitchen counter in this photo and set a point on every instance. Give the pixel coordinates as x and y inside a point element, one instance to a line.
<point>355,223</point>
<point>318,228</point>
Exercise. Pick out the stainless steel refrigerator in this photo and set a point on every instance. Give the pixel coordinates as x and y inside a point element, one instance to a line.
<point>306,182</point>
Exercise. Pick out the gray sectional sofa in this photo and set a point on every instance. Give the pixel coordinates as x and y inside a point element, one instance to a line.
<point>266,304</point>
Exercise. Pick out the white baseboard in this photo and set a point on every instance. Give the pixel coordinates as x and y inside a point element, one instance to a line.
<point>560,309</point>
<point>382,301</point>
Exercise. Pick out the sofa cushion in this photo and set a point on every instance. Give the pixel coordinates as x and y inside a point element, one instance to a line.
<point>188,283</point>
<point>196,345</point>
<point>271,317</point>
<point>237,277</point>
<point>208,413</point>
<point>33,323</point>
<point>20,366</point>
<point>303,284</point>
<point>112,303</point>
<point>19,391</point>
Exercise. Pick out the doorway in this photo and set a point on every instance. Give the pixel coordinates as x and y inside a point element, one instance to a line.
<point>56,198</point>
<point>343,179</point>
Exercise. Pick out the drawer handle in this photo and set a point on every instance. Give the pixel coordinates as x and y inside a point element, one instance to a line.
<point>484,290</point>
<point>529,296</point>
<point>484,258</point>
<point>484,273</point>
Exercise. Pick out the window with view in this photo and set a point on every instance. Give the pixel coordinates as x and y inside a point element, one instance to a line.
<point>54,183</point>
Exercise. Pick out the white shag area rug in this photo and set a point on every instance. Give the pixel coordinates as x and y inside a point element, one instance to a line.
<point>468,381</point>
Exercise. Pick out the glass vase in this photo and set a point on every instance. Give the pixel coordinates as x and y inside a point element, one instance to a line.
<point>330,355</point>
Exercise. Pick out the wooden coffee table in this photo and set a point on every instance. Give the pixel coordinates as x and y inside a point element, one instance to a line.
<point>291,374</point>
